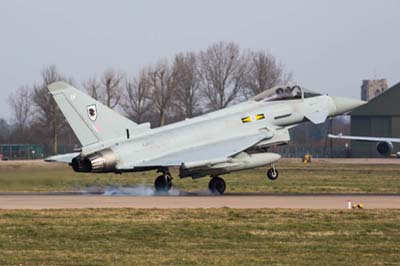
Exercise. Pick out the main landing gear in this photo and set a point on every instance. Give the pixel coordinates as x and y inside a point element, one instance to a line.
<point>217,185</point>
<point>163,183</point>
<point>272,173</point>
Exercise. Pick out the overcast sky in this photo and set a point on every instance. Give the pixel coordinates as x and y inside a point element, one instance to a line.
<point>329,46</point>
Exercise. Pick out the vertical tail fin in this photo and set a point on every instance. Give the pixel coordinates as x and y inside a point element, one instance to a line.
<point>90,120</point>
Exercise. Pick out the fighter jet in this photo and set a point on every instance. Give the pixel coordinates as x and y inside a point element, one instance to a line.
<point>217,143</point>
<point>384,146</point>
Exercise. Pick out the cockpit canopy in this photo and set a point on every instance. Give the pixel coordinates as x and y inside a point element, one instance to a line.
<point>282,93</point>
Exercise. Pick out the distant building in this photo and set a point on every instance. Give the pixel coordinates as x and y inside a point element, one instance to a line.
<point>379,118</point>
<point>372,88</point>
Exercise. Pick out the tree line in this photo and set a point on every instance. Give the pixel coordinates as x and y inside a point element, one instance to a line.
<point>190,84</point>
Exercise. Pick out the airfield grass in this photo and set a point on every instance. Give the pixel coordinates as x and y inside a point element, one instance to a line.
<point>295,177</point>
<point>199,237</point>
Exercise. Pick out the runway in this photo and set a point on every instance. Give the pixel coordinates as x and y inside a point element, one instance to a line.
<point>252,201</point>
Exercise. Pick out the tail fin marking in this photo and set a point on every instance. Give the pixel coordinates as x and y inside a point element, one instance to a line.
<point>90,120</point>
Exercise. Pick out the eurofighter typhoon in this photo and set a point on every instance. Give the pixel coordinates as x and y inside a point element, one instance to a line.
<point>228,140</point>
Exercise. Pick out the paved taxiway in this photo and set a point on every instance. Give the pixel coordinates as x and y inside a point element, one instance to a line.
<point>55,201</point>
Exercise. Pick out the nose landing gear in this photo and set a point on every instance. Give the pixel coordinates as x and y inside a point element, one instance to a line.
<point>217,185</point>
<point>272,173</point>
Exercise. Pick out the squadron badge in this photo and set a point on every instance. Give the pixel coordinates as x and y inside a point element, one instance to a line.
<point>92,112</point>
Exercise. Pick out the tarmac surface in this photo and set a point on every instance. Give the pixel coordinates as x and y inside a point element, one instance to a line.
<point>252,201</point>
<point>144,198</point>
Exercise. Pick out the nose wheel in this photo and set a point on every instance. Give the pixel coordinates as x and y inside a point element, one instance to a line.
<point>163,183</point>
<point>272,173</point>
<point>217,185</point>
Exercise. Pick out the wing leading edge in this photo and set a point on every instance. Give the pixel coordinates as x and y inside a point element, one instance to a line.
<point>368,139</point>
<point>62,158</point>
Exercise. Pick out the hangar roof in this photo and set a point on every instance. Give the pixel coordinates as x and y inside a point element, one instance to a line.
<point>386,104</point>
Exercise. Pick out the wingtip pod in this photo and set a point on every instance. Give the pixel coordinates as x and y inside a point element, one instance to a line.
<point>58,86</point>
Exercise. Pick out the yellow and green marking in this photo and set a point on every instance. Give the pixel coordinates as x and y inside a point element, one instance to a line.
<point>249,119</point>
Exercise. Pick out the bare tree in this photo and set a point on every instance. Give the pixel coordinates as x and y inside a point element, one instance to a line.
<point>187,92</point>
<point>223,69</point>
<point>162,84</point>
<point>48,115</point>
<point>92,86</point>
<point>21,106</point>
<point>112,84</point>
<point>137,103</point>
<point>5,130</point>
<point>108,89</point>
<point>264,73</point>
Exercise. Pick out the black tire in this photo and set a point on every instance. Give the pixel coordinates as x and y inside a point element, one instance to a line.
<point>163,183</point>
<point>272,174</point>
<point>217,185</point>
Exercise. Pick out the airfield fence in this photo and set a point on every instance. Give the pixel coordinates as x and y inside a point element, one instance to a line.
<point>298,151</point>
<point>37,151</point>
<point>30,151</point>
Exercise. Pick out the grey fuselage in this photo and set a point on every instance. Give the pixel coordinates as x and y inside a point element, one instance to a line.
<point>214,127</point>
<point>220,142</point>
